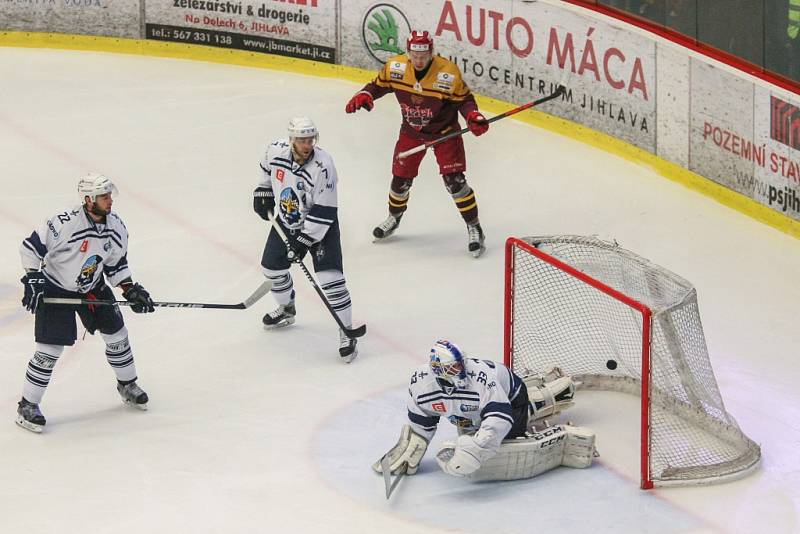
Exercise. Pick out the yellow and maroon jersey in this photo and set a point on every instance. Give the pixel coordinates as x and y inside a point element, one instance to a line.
<point>430,106</point>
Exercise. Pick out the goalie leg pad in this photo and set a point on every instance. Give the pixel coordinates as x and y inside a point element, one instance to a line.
<point>406,455</point>
<point>538,453</point>
<point>579,450</point>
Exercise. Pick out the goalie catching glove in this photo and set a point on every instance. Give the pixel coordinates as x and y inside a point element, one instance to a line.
<point>550,392</point>
<point>406,455</point>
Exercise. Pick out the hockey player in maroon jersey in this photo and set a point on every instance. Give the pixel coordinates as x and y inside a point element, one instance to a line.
<point>431,94</point>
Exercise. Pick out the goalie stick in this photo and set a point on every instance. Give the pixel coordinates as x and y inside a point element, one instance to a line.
<point>386,469</point>
<point>349,332</point>
<point>555,94</point>
<point>262,290</point>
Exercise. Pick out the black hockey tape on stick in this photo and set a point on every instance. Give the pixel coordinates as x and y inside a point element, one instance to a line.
<point>349,332</point>
<point>387,476</point>
<point>560,90</point>
<point>262,290</point>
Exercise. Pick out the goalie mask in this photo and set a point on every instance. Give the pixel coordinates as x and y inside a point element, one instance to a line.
<point>447,363</point>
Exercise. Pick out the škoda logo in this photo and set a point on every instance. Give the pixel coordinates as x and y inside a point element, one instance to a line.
<point>384,31</point>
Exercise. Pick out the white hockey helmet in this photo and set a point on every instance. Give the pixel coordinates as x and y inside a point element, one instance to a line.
<point>302,127</point>
<point>447,362</point>
<point>94,184</point>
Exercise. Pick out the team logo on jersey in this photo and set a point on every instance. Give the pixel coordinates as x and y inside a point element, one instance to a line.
<point>88,270</point>
<point>438,407</point>
<point>384,31</point>
<point>290,206</point>
<point>279,174</point>
<point>84,245</point>
<point>460,422</point>
<point>107,246</point>
<point>468,408</point>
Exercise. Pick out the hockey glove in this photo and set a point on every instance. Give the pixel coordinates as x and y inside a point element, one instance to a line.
<point>138,297</point>
<point>263,202</point>
<point>298,247</point>
<point>362,99</point>
<point>34,290</point>
<point>476,123</point>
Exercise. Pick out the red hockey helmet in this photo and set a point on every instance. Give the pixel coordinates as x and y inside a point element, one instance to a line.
<point>420,41</point>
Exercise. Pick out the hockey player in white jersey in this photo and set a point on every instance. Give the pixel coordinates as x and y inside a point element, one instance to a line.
<point>495,418</point>
<point>299,179</point>
<point>72,255</point>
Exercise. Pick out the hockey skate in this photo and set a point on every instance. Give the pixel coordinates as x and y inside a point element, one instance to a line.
<point>280,317</point>
<point>347,347</point>
<point>475,235</point>
<point>29,416</point>
<point>386,228</point>
<point>133,395</point>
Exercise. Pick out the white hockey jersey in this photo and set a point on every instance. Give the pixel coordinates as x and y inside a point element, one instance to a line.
<point>482,403</point>
<point>305,195</point>
<point>74,252</point>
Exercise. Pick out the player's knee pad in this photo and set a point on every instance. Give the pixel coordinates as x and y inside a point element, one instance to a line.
<point>550,392</point>
<point>47,355</point>
<point>539,452</point>
<point>400,186</point>
<point>118,341</point>
<point>333,284</point>
<point>330,276</point>
<point>280,278</point>
<point>455,183</point>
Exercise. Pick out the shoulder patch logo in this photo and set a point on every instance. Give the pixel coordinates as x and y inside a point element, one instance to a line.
<point>438,407</point>
<point>279,174</point>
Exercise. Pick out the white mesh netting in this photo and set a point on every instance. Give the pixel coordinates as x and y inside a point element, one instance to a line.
<point>556,317</point>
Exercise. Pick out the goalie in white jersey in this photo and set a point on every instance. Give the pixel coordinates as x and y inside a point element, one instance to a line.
<point>495,418</point>
<point>303,179</point>
<point>72,255</point>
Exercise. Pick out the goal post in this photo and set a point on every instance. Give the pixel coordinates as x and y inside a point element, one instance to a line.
<point>615,321</point>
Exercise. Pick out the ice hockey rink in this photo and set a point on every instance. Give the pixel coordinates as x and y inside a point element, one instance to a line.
<point>255,431</point>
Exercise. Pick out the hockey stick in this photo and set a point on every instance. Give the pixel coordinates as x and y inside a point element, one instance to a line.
<point>387,476</point>
<point>555,94</point>
<point>262,290</point>
<point>349,332</point>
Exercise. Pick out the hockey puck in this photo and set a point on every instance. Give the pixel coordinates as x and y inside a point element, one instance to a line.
<point>611,364</point>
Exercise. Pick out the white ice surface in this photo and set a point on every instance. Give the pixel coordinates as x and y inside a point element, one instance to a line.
<point>254,431</point>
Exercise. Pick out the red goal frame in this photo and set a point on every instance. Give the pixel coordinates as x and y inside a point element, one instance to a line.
<point>646,314</point>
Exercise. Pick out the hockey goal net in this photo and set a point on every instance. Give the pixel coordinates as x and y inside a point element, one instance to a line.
<point>615,321</point>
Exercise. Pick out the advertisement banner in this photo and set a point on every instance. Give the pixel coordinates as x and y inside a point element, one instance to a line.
<point>304,29</point>
<point>518,52</point>
<point>721,143</point>
<point>746,138</point>
<point>111,18</point>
